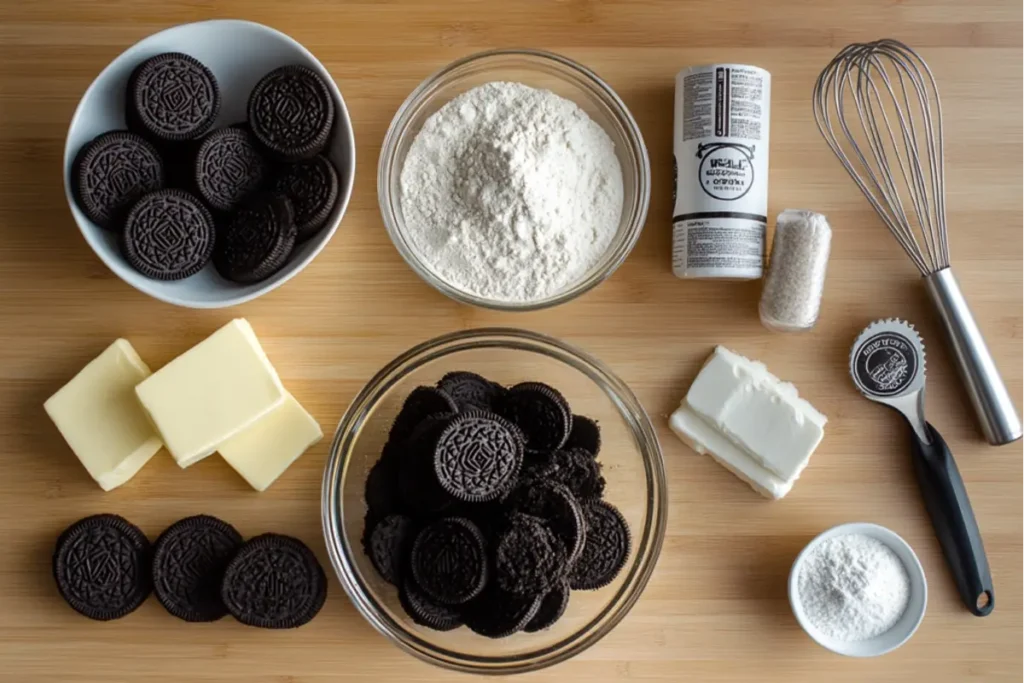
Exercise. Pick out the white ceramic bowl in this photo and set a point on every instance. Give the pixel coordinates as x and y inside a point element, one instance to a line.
<point>903,629</point>
<point>238,53</point>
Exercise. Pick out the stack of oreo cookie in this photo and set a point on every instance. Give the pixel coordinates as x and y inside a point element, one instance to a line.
<point>485,508</point>
<point>200,569</point>
<point>179,194</point>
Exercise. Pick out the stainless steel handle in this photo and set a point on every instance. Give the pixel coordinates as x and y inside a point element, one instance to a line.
<point>991,401</point>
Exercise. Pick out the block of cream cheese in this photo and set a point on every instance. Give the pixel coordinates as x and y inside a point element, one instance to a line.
<point>763,416</point>
<point>211,392</point>
<point>263,451</point>
<point>100,418</point>
<point>704,439</point>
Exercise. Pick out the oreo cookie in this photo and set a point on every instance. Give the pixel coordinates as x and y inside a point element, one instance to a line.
<point>381,489</point>
<point>574,468</point>
<point>585,434</point>
<point>470,390</point>
<point>102,566</point>
<point>427,612</point>
<point>189,560</point>
<point>556,505</point>
<point>449,561</point>
<point>388,545</point>
<point>552,607</point>
<point>275,581</point>
<point>312,186</point>
<point>497,614</point>
<point>256,241</point>
<point>111,172</point>
<point>421,403</point>
<point>228,168</point>
<point>168,235</point>
<point>291,113</point>
<point>420,491</point>
<point>477,457</point>
<point>528,558</point>
<point>606,548</point>
<point>172,97</point>
<point>541,413</point>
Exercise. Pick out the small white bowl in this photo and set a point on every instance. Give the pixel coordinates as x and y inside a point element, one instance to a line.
<point>902,630</point>
<point>238,53</point>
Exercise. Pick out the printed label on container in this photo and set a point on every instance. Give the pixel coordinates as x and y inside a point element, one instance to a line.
<point>718,246</point>
<point>721,171</point>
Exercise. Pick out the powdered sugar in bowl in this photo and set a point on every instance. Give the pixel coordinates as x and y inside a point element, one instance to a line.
<point>527,191</point>
<point>858,590</point>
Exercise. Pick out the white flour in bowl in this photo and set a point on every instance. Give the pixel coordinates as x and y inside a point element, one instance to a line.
<point>511,193</point>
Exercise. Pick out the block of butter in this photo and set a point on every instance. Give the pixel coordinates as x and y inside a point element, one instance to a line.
<point>751,422</point>
<point>211,392</point>
<point>759,413</point>
<point>100,418</point>
<point>263,451</point>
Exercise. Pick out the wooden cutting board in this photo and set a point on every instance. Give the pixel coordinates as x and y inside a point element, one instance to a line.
<point>716,607</point>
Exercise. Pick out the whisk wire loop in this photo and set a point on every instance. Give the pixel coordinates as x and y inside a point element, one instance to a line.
<point>877,106</point>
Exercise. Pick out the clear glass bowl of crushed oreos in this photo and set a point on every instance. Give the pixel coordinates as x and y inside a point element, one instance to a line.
<point>547,72</point>
<point>631,465</point>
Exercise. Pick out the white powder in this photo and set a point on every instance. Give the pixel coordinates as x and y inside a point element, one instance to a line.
<point>853,587</point>
<point>511,193</point>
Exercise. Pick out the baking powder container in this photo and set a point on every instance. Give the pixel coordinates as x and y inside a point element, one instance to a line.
<point>721,171</point>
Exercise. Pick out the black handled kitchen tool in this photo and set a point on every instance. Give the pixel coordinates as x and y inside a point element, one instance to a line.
<point>887,365</point>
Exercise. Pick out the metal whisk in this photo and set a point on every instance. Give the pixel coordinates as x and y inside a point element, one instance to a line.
<point>878,108</point>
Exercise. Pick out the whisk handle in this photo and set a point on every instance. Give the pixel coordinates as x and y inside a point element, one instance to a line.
<point>945,497</point>
<point>991,401</point>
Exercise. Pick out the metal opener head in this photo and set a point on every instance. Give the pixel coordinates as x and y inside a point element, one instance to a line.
<point>887,364</point>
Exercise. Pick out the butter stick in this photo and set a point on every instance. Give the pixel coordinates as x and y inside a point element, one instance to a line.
<point>100,418</point>
<point>211,392</point>
<point>262,452</point>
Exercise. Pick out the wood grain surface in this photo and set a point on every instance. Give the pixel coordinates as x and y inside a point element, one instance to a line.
<point>716,608</point>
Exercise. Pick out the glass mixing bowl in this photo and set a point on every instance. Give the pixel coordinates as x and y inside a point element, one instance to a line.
<point>633,468</point>
<point>539,70</point>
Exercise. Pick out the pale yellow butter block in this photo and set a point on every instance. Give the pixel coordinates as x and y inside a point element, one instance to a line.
<point>213,391</point>
<point>265,450</point>
<point>99,416</point>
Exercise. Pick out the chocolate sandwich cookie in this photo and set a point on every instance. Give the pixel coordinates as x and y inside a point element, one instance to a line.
<point>427,612</point>
<point>422,402</point>
<point>381,489</point>
<point>102,565</point>
<point>606,548</point>
<point>470,390</point>
<point>168,235</point>
<point>556,505</point>
<point>388,545</point>
<point>111,172</point>
<point>228,168</point>
<point>172,97</point>
<point>419,490</point>
<point>541,413</point>
<point>478,456</point>
<point>497,614</point>
<point>189,560</point>
<point>528,558</point>
<point>575,468</point>
<point>256,241</point>
<point>291,113</point>
<point>552,607</point>
<point>274,582</point>
<point>313,187</point>
<point>449,561</point>
<point>585,434</point>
